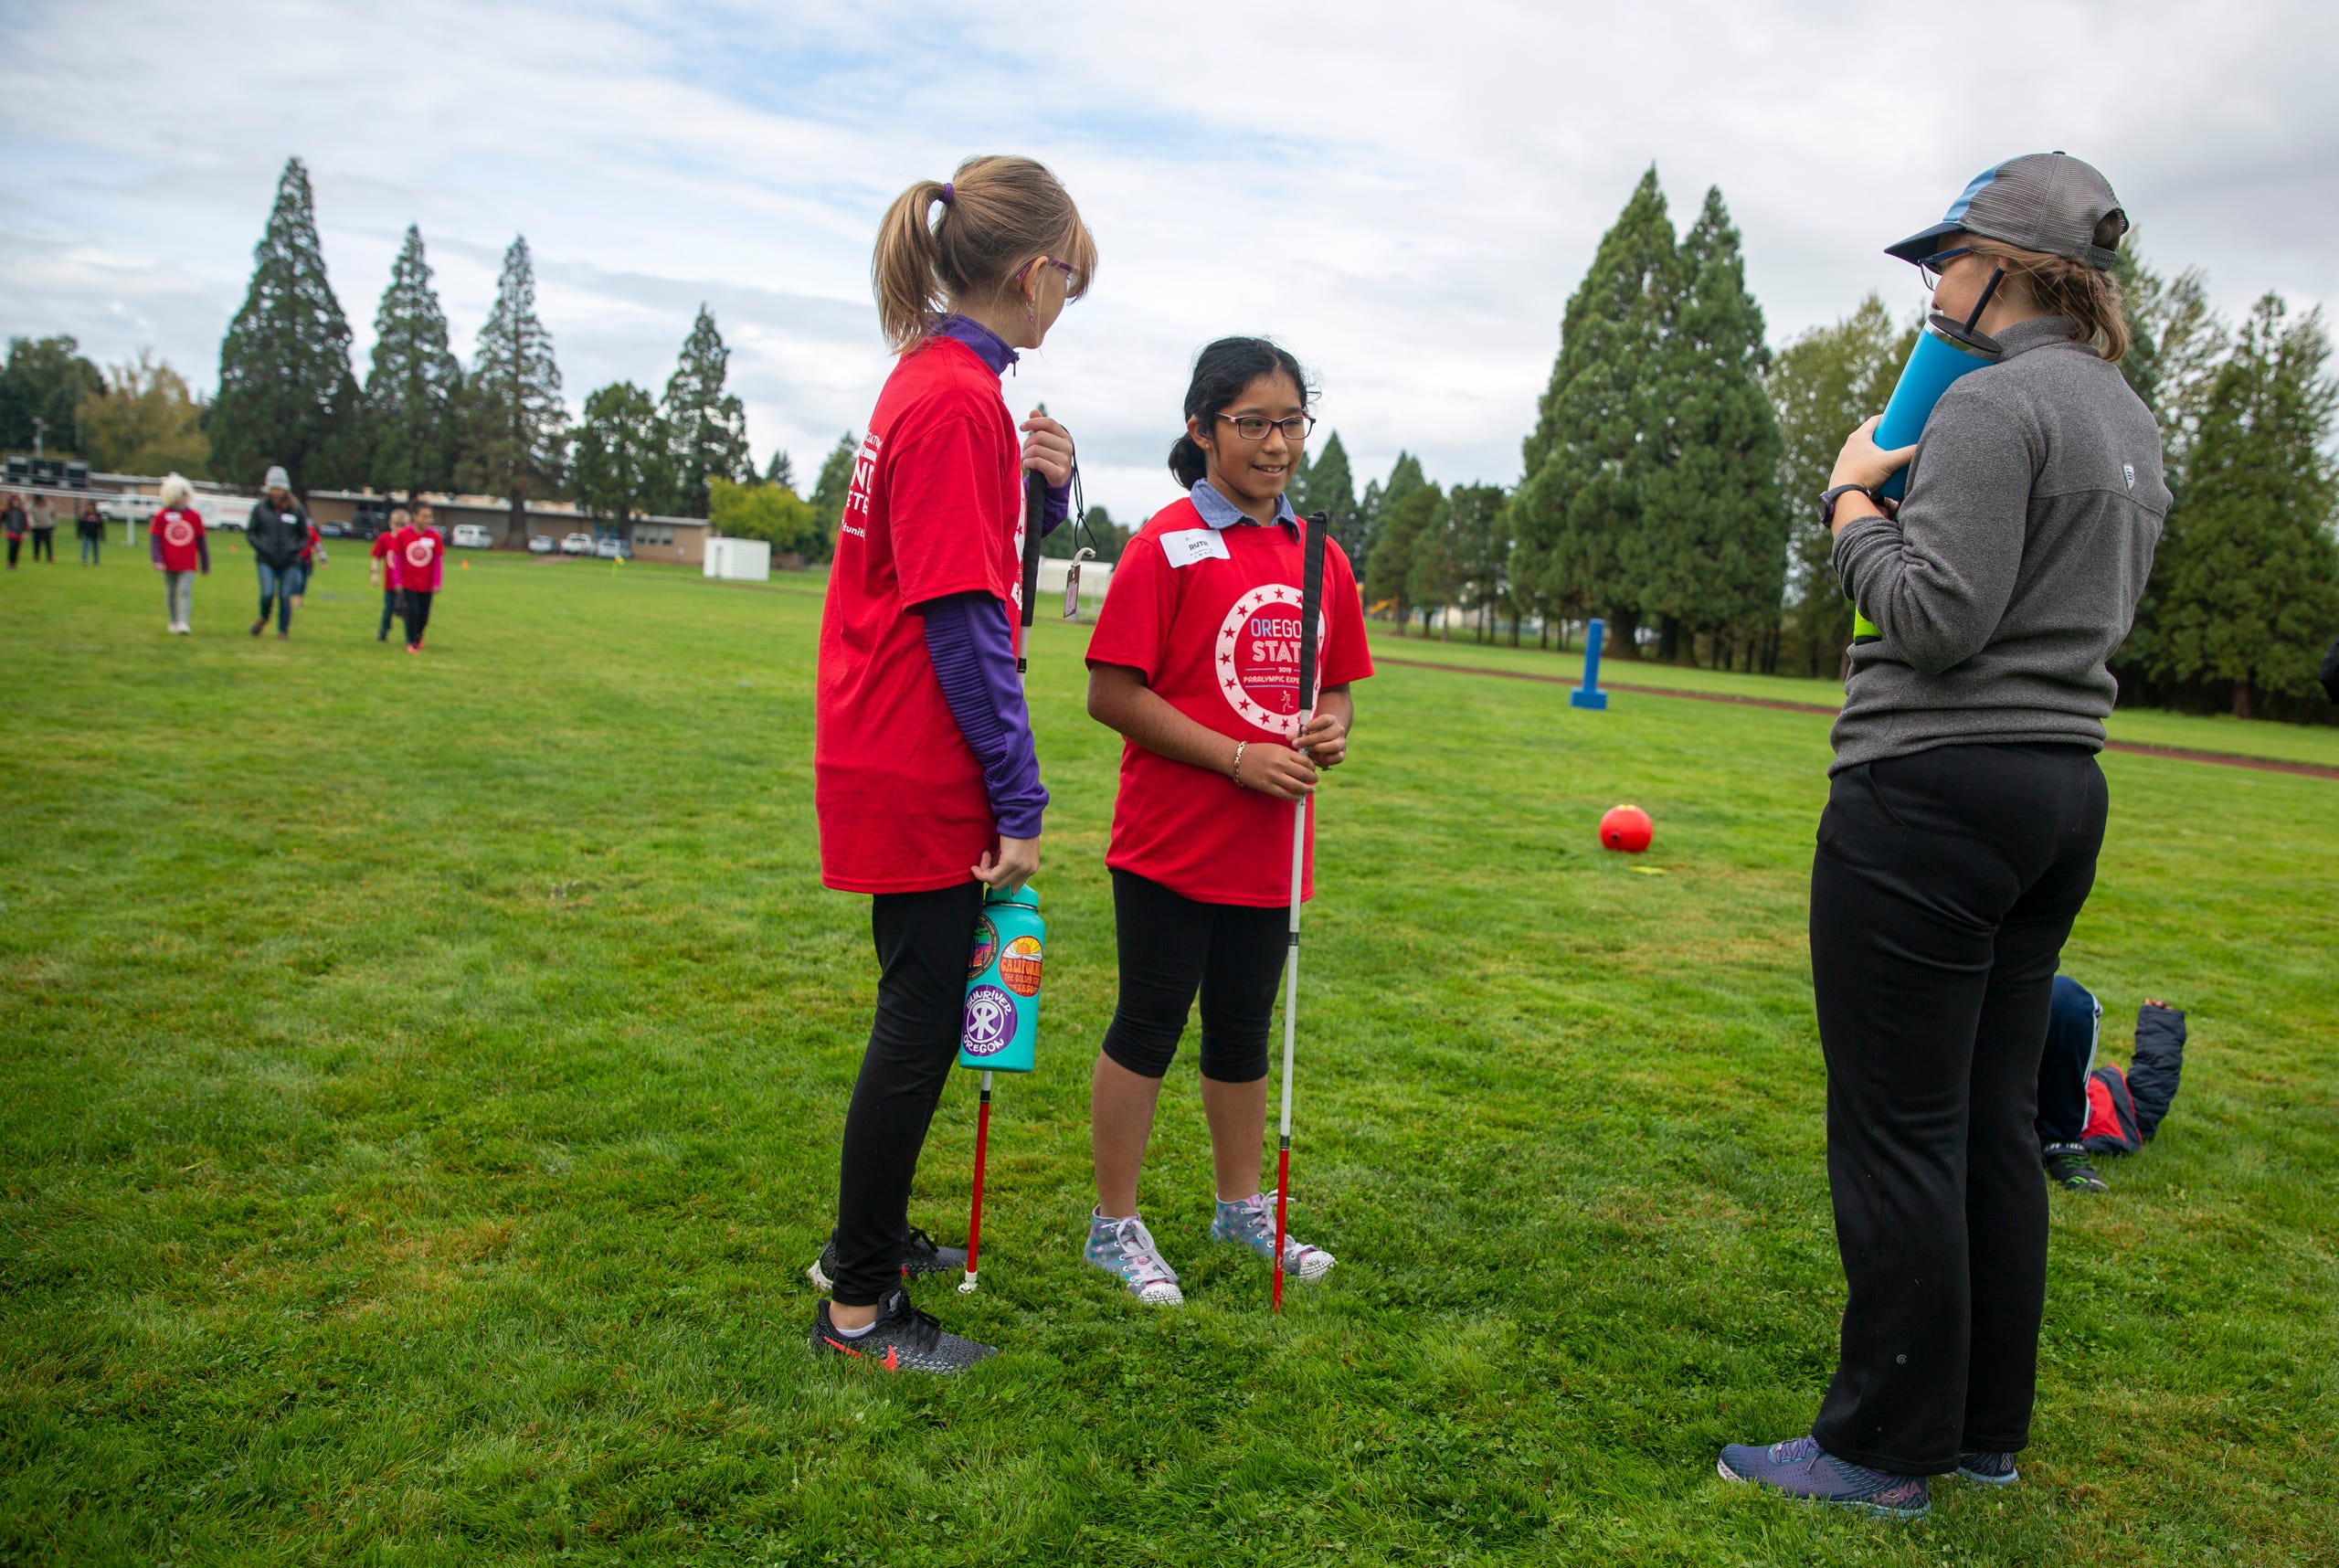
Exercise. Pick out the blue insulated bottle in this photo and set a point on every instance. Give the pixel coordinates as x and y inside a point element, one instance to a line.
<point>1945,352</point>
<point>1002,1023</point>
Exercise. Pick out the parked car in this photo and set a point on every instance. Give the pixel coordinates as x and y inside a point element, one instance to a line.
<point>223,511</point>
<point>472,536</point>
<point>333,530</point>
<point>576,544</point>
<point>613,550</point>
<point>541,544</point>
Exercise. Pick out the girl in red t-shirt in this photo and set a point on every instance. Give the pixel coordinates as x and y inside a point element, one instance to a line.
<point>923,777</point>
<point>1195,659</point>
<point>175,539</point>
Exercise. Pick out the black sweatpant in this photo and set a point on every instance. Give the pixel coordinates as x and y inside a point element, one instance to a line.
<point>44,545</point>
<point>922,943</point>
<point>417,616</point>
<point>1170,945</point>
<point>393,601</point>
<point>1943,888</point>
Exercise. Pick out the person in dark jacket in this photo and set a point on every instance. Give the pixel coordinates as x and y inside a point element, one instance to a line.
<point>13,521</point>
<point>91,526</point>
<point>1964,813</point>
<point>279,533</point>
<point>2085,1109</point>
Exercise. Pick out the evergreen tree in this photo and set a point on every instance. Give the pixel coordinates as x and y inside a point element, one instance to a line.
<point>709,425</point>
<point>780,471</point>
<point>624,466</point>
<point>1821,386</point>
<point>1403,522</point>
<point>2176,341</point>
<point>287,394</point>
<point>46,380</point>
<point>1433,563</point>
<point>1331,489</point>
<point>1711,553</point>
<point>1597,433</point>
<point>414,391</point>
<point>835,480</point>
<point>518,426</point>
<point>1481,527</point>
<point>2247,578</point>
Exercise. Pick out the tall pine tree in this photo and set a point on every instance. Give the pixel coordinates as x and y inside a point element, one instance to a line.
<point>1331,489</point>
<point>518,426</point>
<point>709,425</point>
<point>414,391</point>
<point>1597,433</point>
<point>287,394</point>
<point>1710,551</point>
<point>2247,578</point>
<point>624,465</point>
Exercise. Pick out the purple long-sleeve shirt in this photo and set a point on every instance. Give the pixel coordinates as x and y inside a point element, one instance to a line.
<point>968,636</point>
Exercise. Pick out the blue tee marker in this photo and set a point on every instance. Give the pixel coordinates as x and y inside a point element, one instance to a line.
<point>1589,695</point>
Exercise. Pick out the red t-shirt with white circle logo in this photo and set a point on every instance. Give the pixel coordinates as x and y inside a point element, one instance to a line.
<point>180,532</point>
<point>419,556</point>
<point>1219,640</point>
<point>935,508</point>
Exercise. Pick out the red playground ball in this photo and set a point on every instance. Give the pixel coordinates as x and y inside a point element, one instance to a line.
<point>1626,828</point>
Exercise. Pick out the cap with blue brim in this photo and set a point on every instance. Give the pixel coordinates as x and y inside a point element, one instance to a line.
<point>2047,202</point>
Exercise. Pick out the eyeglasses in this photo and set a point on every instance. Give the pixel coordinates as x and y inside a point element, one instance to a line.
<point>1938,262</point>
<point>1063,267</point>
<point>1254,427</point>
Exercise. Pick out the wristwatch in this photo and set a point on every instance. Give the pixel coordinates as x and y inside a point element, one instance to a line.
<point>1828,502</point>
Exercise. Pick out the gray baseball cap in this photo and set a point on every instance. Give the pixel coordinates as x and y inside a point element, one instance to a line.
<point>2049,202</point>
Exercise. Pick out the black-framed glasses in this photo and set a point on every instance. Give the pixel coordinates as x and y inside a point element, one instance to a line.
<point>1254,427</point>
<point>1934,265</point>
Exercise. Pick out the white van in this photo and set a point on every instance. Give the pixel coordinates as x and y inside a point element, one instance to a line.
<point>472,536</point>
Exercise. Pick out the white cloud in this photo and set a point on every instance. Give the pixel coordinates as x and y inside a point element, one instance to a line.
<point>1406,195</point>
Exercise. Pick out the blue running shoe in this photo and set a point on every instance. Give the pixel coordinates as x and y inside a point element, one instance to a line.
<point>1125,1249</point>
<point>1801,1468</point>
<point>1251,1223</point>
<point>1988,1467</point>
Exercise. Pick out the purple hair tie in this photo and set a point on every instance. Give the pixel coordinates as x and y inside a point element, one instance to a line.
<point>949,192</point>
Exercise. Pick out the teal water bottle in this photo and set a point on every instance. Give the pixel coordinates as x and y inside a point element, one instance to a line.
<point>1003,1021</point>
<point>1946,352</point>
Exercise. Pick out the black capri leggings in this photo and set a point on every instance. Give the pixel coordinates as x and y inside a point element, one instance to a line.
<point>1169,946</point>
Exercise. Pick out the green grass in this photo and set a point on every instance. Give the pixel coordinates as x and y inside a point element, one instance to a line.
<point>423,1079</point>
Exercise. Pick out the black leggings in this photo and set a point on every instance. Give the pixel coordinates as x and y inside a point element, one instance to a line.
<point>417,616</point>
<point>922,942</point>
<point>1169,946</point>
<point>45,543</point>
<point>1944,886</point>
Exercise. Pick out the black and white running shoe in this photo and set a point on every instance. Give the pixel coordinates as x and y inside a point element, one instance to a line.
<point>902,1340</point>
<point>921,1254</point>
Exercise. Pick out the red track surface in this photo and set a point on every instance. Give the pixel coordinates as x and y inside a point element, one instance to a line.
<point>2222,759</point>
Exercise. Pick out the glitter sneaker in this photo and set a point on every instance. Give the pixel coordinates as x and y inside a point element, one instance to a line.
<point>1801,1468</point>
<point>902,1340</point>
<point>1251,1223</point>
<point>1125,1249</point>
<point>921,1254</point>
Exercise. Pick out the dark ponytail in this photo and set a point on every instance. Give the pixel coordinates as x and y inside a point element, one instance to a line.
<point>1220,373</point>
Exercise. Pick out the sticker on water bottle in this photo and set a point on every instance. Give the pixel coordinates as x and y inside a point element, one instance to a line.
<point>990,1022</point>
<point>984,948</point>
<point>1018,966</point>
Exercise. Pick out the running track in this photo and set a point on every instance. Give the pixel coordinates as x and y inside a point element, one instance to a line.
<point>2223,758</point>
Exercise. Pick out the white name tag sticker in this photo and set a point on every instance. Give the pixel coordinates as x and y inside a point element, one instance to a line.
<point>1188,545</point>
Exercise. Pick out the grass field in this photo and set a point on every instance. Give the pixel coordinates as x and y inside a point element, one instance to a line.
<point>422,1080</point>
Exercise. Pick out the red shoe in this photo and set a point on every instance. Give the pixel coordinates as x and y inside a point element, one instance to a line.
<point>414,647</point>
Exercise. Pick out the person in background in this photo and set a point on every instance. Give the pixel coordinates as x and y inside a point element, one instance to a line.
<point>175,539</point>
<point>91,526</point>
<point>2084,1110</point>
<point>44,529</point>
<point>383,572</point>
<point>14,523</point>
<point>279,533</point>
<point>313,559</point>
<point>421,552</point>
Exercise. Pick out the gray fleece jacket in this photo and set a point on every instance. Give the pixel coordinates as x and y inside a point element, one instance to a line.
<point>2013,570</point>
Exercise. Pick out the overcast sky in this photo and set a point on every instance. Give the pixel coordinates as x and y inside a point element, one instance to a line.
<point>1406,195</point>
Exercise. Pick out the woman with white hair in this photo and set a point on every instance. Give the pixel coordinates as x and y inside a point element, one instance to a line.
<point>175,539</point>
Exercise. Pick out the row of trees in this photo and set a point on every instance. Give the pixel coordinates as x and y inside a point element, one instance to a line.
<point>420,420</point>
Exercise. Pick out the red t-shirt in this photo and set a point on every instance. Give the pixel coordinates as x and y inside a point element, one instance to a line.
<point>936,508</point>
<point>419,554</point>
<point>180,532</point>
<point>386,552</point>
<point>1219,640</point>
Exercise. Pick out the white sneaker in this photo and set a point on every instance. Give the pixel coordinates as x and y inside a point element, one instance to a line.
<point>1125,1249</point>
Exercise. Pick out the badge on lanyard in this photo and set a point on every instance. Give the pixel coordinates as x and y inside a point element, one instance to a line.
<point>1188,545</point>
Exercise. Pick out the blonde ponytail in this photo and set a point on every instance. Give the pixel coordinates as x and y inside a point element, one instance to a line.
<point>999,216</point>
<point>2088,296</point>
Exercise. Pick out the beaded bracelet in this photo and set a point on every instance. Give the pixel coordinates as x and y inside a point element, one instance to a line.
<point>1240,747</point>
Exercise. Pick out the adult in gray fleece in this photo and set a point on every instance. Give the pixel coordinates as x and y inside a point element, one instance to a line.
<point>2012,573</point>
